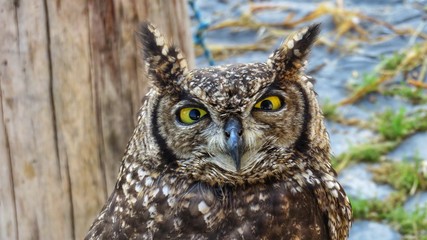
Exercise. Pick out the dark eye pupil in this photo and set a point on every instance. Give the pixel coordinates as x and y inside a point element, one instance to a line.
<point>194,114</point>
<point>266,105</point>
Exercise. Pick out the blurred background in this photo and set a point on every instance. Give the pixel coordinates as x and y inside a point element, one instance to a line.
<point>71,83</point>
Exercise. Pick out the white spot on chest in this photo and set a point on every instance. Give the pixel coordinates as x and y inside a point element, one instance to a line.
<point>239,212</point>
<point>255,208</point>
<point>330,185</point>
<point>165,190</point>
<point>129,177</point>
<point>141,173</point>
<point>153,211</point>
<point>203,208</point>
<point>148,181</point>
<point>171,201</point>
<point>334,193</point>
<point>138,188</point>
<point>262,197</point>
<point>290,44</point>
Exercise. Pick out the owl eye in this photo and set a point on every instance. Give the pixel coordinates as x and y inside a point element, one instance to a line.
<point>270,103</point>
<point>190,115</point>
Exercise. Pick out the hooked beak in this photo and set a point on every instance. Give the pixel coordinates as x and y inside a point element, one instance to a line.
<point>233,132</point>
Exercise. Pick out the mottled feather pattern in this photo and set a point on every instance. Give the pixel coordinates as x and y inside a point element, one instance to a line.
<point>292,53</point>
<point>180,181</point>
<point>163,62</point>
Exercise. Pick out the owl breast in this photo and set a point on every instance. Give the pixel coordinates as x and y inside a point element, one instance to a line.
<point>264,211</point>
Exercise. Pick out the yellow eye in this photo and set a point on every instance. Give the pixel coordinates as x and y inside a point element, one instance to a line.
<point>271,103</point>
<point>190,115</point>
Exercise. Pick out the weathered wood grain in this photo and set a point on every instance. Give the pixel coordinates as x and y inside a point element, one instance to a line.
<point>39,182</point>
<point>70,86</point>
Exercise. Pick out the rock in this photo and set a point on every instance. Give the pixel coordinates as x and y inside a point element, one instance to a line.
<point>376,103</point>
<point>357,182</point>
<point>364,230</point>
<point>413,147</point>
<point>419,200</point>
<point>384,48</point>
<point>342,137</point>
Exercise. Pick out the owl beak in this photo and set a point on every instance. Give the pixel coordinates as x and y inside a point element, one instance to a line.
<point>233,132</point>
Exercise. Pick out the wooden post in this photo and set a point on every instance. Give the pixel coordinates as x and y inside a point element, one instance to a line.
<point>71,83</point>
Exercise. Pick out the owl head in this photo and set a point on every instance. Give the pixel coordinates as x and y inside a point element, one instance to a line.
<point>233,124</point>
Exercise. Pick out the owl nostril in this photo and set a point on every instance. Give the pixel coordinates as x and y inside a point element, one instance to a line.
<point>233,127</point>
<point>240,133</point>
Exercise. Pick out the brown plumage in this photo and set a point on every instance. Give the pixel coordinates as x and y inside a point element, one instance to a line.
<point>227,152</point>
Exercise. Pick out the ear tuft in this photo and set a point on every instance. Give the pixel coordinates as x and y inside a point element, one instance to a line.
<point>164,63</point>
<point>291,55</point>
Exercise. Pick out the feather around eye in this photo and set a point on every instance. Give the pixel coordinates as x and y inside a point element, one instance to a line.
<point>270,103</point>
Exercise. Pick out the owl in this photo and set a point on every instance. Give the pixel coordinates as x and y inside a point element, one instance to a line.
<point>236,151</point>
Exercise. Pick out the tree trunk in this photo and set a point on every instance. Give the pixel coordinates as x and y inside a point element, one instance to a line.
<point>70,87</point>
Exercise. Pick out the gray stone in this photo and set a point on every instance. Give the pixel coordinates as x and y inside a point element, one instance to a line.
<point>366,230</point>
<point>229,37</point>
<point>335,92</point>
<point>419,200</point>
<point>376,103</point>
<point>342,137</point>
<point>254,56</point>
<point>358,183</point>
<point>359,63</point>
<point>353,112</point>
<point>405,16</point>
<point>275,15</point>
<point>383,48</point>
<point>370,106</point>
<point>413,147</point>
